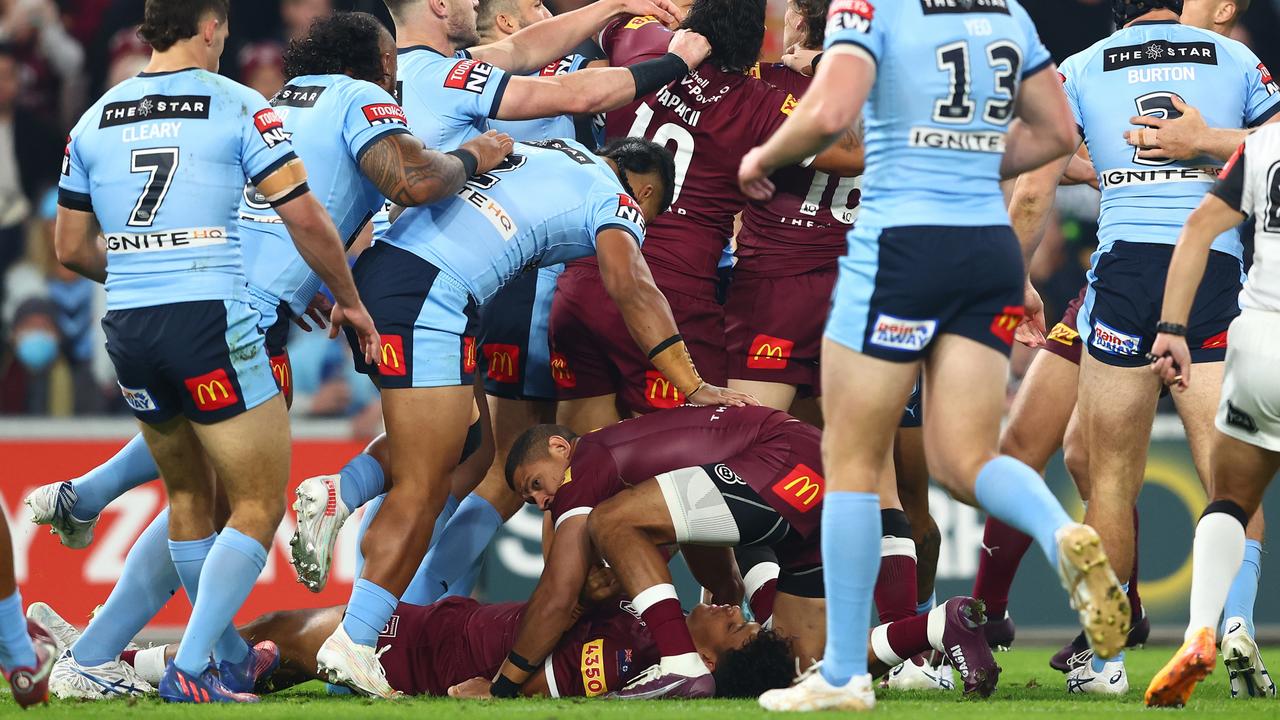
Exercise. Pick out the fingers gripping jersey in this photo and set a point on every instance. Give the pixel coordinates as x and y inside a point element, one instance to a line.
<point>161,160</point>
<point>333,119</point>
<point>1250,183</point>
<point>1138,71</point>
<point>544,205</point>
<point>802,227</point>
<point>447,100</point>
<point>947,77</point>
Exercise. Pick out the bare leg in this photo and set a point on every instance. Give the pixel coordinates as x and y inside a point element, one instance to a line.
<point>587,414</point>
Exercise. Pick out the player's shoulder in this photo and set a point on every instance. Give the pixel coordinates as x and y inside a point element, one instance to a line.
<point>626,38</point>
<point>1079,61</point>
<point>1265,141</point>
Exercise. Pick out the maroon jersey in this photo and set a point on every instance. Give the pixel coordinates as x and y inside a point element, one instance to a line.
<point>434,647</point>
<point>803,227</point>
<point>608,460</point>
<point>709,120</point>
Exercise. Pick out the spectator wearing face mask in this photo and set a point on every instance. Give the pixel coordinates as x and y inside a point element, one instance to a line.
<point>34,378</point>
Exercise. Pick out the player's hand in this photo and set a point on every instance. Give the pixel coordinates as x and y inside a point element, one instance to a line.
<point>753,176</point>
<point>601,585</point>
<point>1171,360</point>
<point>667,12</point>
<point>1164,139</point>
<point>1030,331</point>
<point>473,689</point>
<point>357,318</point>
<point>319,308</point>
<point>801,59</point>
<point>709,394</point>
<point>490,149</point>
<point>690,46</point>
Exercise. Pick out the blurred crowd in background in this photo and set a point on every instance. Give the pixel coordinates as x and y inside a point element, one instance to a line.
<point>57,56</point>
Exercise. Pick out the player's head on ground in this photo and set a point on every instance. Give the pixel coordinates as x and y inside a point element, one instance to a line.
<point>735,29</point>
<point>1127,11</point>
<point>745,658</point>
<point>345,43</point>
<point>198,27</point>
<point>647,171</point>
<point>1217,15</point>
<point>537,463</point>
<point>805,23</point>
<point>496,19</point>
<point>457,16</point>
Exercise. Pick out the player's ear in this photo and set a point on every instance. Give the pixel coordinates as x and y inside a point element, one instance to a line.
<point>439,7</point>
<point>707,660</point>
<point>506,23</point>
<point>1225,12</point>
<point>209,28</point>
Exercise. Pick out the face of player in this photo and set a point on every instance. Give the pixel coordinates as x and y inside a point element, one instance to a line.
<point>717,629</point>
<point>1205,14</point>
<point>537,481</point>
<point>532,12</point>
<point>462,23</point>
<point>792,24</point>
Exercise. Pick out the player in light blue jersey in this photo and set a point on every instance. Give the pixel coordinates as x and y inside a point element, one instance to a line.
<point>934,277</point>
<point>549,203</point>
<point>158,165</point>
<point>1154,67</point>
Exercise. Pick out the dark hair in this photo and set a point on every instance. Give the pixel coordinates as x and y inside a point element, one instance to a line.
<point>763,664</point>
<point>531,446</point>
<point>735,29</point>
<point>637,155</point>
<point>1126,11</point>
<point>165,22</point>
<point>344,43</point>
<point>814,13</point>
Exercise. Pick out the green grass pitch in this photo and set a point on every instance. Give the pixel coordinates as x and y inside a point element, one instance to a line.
<point>1028,689</point>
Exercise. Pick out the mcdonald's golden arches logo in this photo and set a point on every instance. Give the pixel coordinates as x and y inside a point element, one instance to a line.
<point>504,362</point>
<point>392,357</point>
<point>802,488</point>
<point>1004,324</point>
<point>212,391</point>
<point>769,353</point>
<point>659,392</point>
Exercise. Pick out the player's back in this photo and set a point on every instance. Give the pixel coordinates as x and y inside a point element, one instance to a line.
<point>947,75</point>
<point>1256,193</point>
<point>802,227</point>
<point>542,206</point>
<point>1138,71</point>
<point>556,126</point>
<point>164,158</point>
<point>332,119</point>
<point>709,120</point>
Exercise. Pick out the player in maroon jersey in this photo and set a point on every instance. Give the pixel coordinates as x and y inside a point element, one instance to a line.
<point>707,120</point>
<point>708,479</point>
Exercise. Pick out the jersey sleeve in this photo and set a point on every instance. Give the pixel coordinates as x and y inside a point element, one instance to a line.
<point>73,183</point>
<point>771,112</point>
<point>1232,186</point>
<point>854,22</point>
<point>1069,73</point>
<point>1035,56</point>
<point>585,483</point>
<point>1262,102</point>
<point>475,88</point>
<point>265,145</point>
<point>613,209</point>
<point>372,115</point>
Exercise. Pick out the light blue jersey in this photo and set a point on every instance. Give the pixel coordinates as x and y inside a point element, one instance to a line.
<point>557,126</point>
<point>333,119</point>
<point>447,99</point>
<point>1137,71</point>
<point>162,159</point>
<point>947,76</point>
<point>543,206</point>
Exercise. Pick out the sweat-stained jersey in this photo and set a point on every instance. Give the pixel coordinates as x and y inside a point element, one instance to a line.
<point>709,120</point>
<point>802,227</point>
<point>333,119</point>
<point>1250,183</point>
<point>161,160</point>
<point>947,77</point>
<point>447,99</point>
<point>544,205</point>
<point>1137,71</point>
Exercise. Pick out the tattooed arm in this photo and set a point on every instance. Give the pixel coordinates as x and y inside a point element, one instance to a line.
<point>408,173</point>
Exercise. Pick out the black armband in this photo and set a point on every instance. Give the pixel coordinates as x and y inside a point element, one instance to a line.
<point>1169,328</point>
<point>293,194</point>
<point>518,660</point>
<point>664,345</point>
<point>653,74</point>
<point>504,687</point>
<point>469,161</point>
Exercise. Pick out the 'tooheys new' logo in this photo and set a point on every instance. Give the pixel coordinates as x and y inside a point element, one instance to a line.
<point>850,15</point>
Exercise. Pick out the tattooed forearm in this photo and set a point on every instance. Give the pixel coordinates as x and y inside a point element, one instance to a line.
<point>408,173</point>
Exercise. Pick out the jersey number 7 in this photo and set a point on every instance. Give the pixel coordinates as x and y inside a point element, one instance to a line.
<point>160,163</point>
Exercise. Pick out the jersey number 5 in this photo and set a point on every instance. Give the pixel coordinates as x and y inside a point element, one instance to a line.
<point>160,163</point>
<point>957,107</point>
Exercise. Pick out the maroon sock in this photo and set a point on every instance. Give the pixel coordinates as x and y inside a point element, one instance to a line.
<point>895,591</point>
<point>1002,551</point>
<point>910,637</point>
<point>667,627</point>
<point>126,657</point>
<point>1135,600</point>
<point>761,601</point>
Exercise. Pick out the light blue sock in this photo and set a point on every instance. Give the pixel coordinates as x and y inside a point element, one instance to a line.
<point>370,512</point>
<point>928,605</point>
<point>146,583</point>
<point>1017,496</point>
<point>1096,663</point>
<point>368,612</point>
<point>1244,588</point>
<point>230,646</point>
<point>362,481</point>
<point>230,570</point>
<point>16,649</point>
<point>463,586</point>
<point>456,550</point>
<point>851,548</point>
<point>126,470</point>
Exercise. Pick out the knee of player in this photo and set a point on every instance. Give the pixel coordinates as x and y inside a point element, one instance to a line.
<point>605,522</point>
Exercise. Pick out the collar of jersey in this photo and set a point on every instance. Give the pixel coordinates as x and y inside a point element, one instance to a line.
<point>1154,22</point>
<point>411,48</point>
<point>165,72</point>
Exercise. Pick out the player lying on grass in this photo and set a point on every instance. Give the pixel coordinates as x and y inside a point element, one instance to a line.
<point>708,478</point>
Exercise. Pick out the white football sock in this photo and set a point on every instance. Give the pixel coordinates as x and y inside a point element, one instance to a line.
<point>149,663</point>
<point>1216,556</point>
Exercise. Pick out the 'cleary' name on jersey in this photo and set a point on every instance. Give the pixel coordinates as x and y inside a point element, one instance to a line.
<point>161,160</point>
<point>334,119</point>
<point>543,206</point>
<point>447,99</point>
<point>948,73</point>
<point>1138,71</point>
